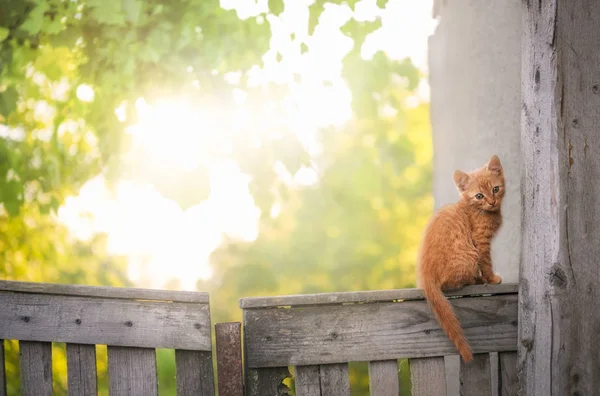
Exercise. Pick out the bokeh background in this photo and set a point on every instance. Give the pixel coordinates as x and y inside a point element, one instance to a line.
<point>237,147</point>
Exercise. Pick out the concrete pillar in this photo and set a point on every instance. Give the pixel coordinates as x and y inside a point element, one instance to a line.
<point>475,77</point>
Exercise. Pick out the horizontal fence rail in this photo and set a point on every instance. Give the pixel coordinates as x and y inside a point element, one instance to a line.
<point>131,322</point>
<point>320,334</point>
<point>316,334</point>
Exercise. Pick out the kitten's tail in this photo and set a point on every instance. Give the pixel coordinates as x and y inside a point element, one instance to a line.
<point>447,319</point>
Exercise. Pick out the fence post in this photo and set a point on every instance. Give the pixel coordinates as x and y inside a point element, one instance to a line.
<point>229,359</point>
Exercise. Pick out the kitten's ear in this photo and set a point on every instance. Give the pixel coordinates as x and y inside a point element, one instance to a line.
<point>494,164</point>
<point>460,180</point>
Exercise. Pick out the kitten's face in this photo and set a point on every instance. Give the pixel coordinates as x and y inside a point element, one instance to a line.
<point>483,188</point>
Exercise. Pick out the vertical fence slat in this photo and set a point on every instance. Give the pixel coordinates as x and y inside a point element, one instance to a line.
<point>2,370</point>
<point>383,378</point>
<point>335,380</point>
<point>267,381</point>
<point>507,374</point>
<point>308,381</point>
<point>475,377</point>
<point>194,373</point>
<point>132,371</point>
<point>229,359</point>
<point>427,376</point>
<point>36,368</point>
<point>81,369</point>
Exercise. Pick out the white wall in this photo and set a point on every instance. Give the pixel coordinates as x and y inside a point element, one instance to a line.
<point>475,77</point>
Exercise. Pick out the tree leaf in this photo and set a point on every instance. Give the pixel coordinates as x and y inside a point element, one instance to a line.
<point>8,101</point>
<point>109,12</point>
<point>35,19</point>
<point>314,10</point>
<point>276,6</point>
<point>4,32</point>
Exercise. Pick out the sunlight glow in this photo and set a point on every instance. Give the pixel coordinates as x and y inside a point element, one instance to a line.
<point>85,93</point>
<point>163,241</point>
<point>171,132</point>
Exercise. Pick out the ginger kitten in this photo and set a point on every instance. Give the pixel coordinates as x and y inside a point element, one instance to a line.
<point>455,251</point>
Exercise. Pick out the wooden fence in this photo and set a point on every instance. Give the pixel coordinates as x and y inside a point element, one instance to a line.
<point>131,322</point>
<point>316,334</point>
<point>319,334</point>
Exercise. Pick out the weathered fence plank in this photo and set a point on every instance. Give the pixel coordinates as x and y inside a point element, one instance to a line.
<point>383,378</point>
<point>81,370</point>
<point>194,373</point>
<point>560,142</point>
<point>427,376</point>
<point>371,296</point>
<point>104,292</point>
<point>2,370</point>
<point>339,333</point>
<point>308,380</point>
<point>508,383</point>
<point>36,368</point>
<point>475,377</point>
<point>267,381</point>
<point>229,359</point>
<point>87,320</point>
<point>335,380</point>
<point>132,371</point>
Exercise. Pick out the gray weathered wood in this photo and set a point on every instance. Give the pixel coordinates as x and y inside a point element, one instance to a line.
<point>229,359</point>
<point>383,378</point>
<point>427,376</point>
<point>452,363</point>
<point>81,369</point>
<point>367,296</point>
<point>508,383</point>
<point>494,369</point>
<point>475,377</point>
<point>308,380</point>
<point>560,276</point>
<point>36,368</point>
<point>267,381</point>
<point>2,370</point>
<point>81,320</point>
<point>335,380</point>
<point>132,371</point>
<point>366,332</point>
<point>195,374</point>
<point>105,292</point>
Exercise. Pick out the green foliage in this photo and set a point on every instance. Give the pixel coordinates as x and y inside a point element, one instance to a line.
<point>356,228</point>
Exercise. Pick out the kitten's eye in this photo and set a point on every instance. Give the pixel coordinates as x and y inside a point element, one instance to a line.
<point>496,189</point>
<point>479,196</point>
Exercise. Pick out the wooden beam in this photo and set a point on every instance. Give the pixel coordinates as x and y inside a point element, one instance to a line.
<point>94,320</point>
<point>559,328</point>
<point>194,373</point>
<point>132,371</point>
<point>229,358</point>
<point>476,377</point>
<point>329,334</point>
<point>81,370</point>
<point>427,376</point>
<point>299,300</point>
<point>35,363</point>
<point>103,291</point>
<point>2,370</point>
<point>267,381</point>
<point>383,378</point>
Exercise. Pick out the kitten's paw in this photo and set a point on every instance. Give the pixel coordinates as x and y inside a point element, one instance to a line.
<point>495,280</point>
